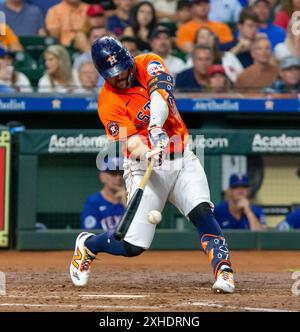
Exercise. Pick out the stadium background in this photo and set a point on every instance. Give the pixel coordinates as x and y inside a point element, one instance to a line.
<point>48,149</point>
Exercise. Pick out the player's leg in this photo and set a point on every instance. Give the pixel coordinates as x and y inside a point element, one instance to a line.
<point>191,196</point>
<point>139,235</point>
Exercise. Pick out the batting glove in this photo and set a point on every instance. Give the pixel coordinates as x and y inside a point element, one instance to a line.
<point>159,141</point>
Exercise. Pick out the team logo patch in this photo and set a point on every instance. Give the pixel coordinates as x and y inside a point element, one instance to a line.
<point>90,222</point>
<point>113,129</point>
<point>154,67</point>
<point>112,59</point>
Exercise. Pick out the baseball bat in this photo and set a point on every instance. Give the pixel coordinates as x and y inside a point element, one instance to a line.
<point>133,205</point>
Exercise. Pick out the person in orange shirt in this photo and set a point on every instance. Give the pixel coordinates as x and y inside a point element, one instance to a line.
<point>9,40</point>
<point>67,18</point>
<point>186,34</point>
<point>138,108</point>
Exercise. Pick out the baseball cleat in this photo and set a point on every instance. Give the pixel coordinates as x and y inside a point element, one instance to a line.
<point>80,267</point>
<point>225,281</point>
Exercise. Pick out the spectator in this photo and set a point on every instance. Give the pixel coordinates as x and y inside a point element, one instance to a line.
<point>88,78</point>
<point>291,45</point>
<point>247,30</point>
<point>94,34</point>
<point>187,32</point>
<point>237,212</point>
<point>291,221</point>
<point>130,44</point>
<point>275,34</point>
<point>196,78</point>
<point>44,5</point>
<point>226,11</point>
<point>205,36</point>
<point>161,44</point>
<point>284,15</point>
<point>24,19</point>
<point>95,19</point>
<point>289,76</point>
<point>59,76</point>
<point>104,209</point>
<point>143,23</point>
<point>262,73</point>
<point>96,16</point>
<point>165,9</point>
<point>184,12</point>
<point>11,78</point>
<point>67,18</point>
<point>8,39</point>
<point>218,81</point>
<point>117,22</point>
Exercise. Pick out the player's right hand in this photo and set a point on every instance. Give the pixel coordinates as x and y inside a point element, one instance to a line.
<point>156,154</point>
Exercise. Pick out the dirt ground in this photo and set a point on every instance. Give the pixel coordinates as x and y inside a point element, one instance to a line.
<point>154,281</point>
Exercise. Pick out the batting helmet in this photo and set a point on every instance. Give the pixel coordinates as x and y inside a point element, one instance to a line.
<point>110,57</point>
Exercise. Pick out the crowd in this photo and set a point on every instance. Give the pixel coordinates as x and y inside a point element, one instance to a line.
<point>208,45</point>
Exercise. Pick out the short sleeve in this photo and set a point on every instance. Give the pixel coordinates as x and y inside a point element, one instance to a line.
<point>117,123</point>
<point>11,38</point>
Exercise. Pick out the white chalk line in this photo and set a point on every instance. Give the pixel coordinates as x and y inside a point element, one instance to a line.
<point>83,296</point>
<point>225,306</point>
<point>78,306</point>
<point>113,296</point>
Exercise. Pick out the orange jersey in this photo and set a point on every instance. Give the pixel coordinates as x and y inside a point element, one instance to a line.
<point>127,112</point>
<point>188,31</point>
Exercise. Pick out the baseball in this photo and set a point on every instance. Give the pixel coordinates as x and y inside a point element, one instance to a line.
<point>154,217</point>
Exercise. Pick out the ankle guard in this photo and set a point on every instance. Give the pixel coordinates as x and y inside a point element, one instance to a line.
<point>216,249</point>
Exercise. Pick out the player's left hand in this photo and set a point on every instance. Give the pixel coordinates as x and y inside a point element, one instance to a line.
<point>159,141</point>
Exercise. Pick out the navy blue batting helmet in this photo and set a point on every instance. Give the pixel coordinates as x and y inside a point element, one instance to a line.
<point>110,57</point>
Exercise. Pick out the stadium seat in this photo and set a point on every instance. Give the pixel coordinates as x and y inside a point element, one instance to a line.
<point>24,60</point>
<point>35,45</point>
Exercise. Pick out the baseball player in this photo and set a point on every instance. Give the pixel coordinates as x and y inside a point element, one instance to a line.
<point>137,107</point>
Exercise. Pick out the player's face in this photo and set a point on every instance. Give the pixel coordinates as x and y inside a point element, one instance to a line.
<point>239,192</point>
<point>120,81</point>
<point>296,4</point>
<point>113,180</point>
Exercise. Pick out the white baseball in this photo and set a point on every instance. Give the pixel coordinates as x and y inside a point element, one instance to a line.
<point>154,217</point>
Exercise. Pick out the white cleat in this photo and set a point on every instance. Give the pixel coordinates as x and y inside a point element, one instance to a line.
<point>225,281</point>
<point>80,265</point>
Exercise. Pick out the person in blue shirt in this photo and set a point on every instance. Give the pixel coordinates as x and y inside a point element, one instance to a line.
<point>237,212</point>
<point>104,209</point>
<point>263,9</point>
<point>196,78</point>
<point>291,221</point>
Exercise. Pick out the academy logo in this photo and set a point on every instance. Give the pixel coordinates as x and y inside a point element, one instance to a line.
<point>154,67</point>
<point>282,143</point>
<point>75,144</point>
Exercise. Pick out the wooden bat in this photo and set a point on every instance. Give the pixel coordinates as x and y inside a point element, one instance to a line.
<point>133,205</point>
